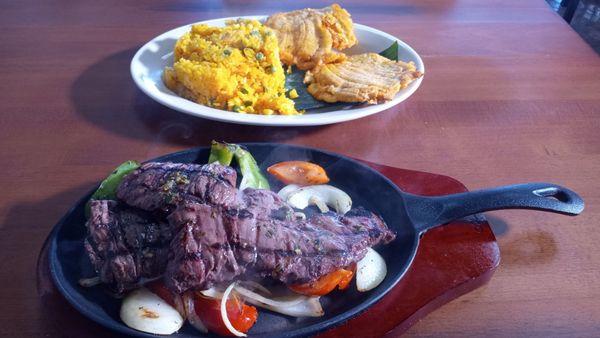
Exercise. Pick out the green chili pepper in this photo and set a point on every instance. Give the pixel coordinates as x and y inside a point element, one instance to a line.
<point>251,174</point>
<point>221,152</point>
<point>108,188</point>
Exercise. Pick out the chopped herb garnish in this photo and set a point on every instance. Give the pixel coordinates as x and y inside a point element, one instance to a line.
<point>260,56</point>
<point>244,90</point>
<point>168,185</point>
<point>181,178</point>
<point>227,52</point>
<point>236,108</point>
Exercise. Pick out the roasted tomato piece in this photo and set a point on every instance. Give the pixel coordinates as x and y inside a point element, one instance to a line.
<point>159,289</point>
<point>241,316</point>
<point>340,278</point>
<point>299,172</point>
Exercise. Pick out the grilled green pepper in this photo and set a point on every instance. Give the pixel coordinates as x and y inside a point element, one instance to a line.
<point>108,188</point>
<point>251,174</point>
<point>221,152</point>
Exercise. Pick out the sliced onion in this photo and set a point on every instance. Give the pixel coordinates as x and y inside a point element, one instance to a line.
<point>322,195</point>
<point>144,311</point>
<point>255,286</point>
<point>192,316</point>
<point>319,203</point>
<point>370,271</point>
<point>288,301</point>
<point>224,312</point>
<point>296,305</point>
<point>287,190</point>
<point>308,307</point>
<point>212,293</point>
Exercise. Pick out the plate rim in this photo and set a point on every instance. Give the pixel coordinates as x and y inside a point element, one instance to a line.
<point>338,320</point>
<point>336,116</point>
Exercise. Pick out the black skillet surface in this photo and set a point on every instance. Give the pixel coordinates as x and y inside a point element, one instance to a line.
<point>408,215</point>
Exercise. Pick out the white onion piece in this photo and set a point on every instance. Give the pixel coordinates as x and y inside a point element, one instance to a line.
<point>192,316</point>
<point>322,195</point>
<point>255,286</point>
<point>212,293</point>
<point>308,307</point>
<point>319,203</point>
<point>287,190</point>
<point>370,271</point>
<point>280,302</point>
<point>144,311</point>
<point>295,305</point>
<point>224,312</point>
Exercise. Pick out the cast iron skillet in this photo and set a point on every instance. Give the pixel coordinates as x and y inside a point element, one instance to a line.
<point>408,215</point>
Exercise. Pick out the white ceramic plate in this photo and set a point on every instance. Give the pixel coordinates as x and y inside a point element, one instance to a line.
<point>150,60</point>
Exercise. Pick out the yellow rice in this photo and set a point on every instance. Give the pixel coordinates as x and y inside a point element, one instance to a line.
<point>235,67</point>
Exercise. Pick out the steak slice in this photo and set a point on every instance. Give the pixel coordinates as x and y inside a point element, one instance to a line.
<point>216,244</point>
<point>161,186</point>
<point>125,244</point>
<point>200,254</point>
<point>296,252</point>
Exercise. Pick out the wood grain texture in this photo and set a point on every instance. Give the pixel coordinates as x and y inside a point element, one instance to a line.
<point>511,94</point>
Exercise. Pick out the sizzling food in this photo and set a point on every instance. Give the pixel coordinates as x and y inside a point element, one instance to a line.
<point>192,246</point>
<point>190,223</point>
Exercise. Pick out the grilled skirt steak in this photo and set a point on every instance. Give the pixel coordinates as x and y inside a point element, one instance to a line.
<point>125,244</point>
<point>214,245</point>
<point>161,186</point>
<point>216,232</point>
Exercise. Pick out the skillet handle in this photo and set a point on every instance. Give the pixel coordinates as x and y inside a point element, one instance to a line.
<point>429,212</point>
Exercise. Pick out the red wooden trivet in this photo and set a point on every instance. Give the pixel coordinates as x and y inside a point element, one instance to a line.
<point>452,260</point>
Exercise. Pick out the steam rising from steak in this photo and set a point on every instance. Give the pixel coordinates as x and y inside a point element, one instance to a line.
<point>216,233</point>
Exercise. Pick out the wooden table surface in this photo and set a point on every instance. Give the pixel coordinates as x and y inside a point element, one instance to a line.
<point>511,94</point>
